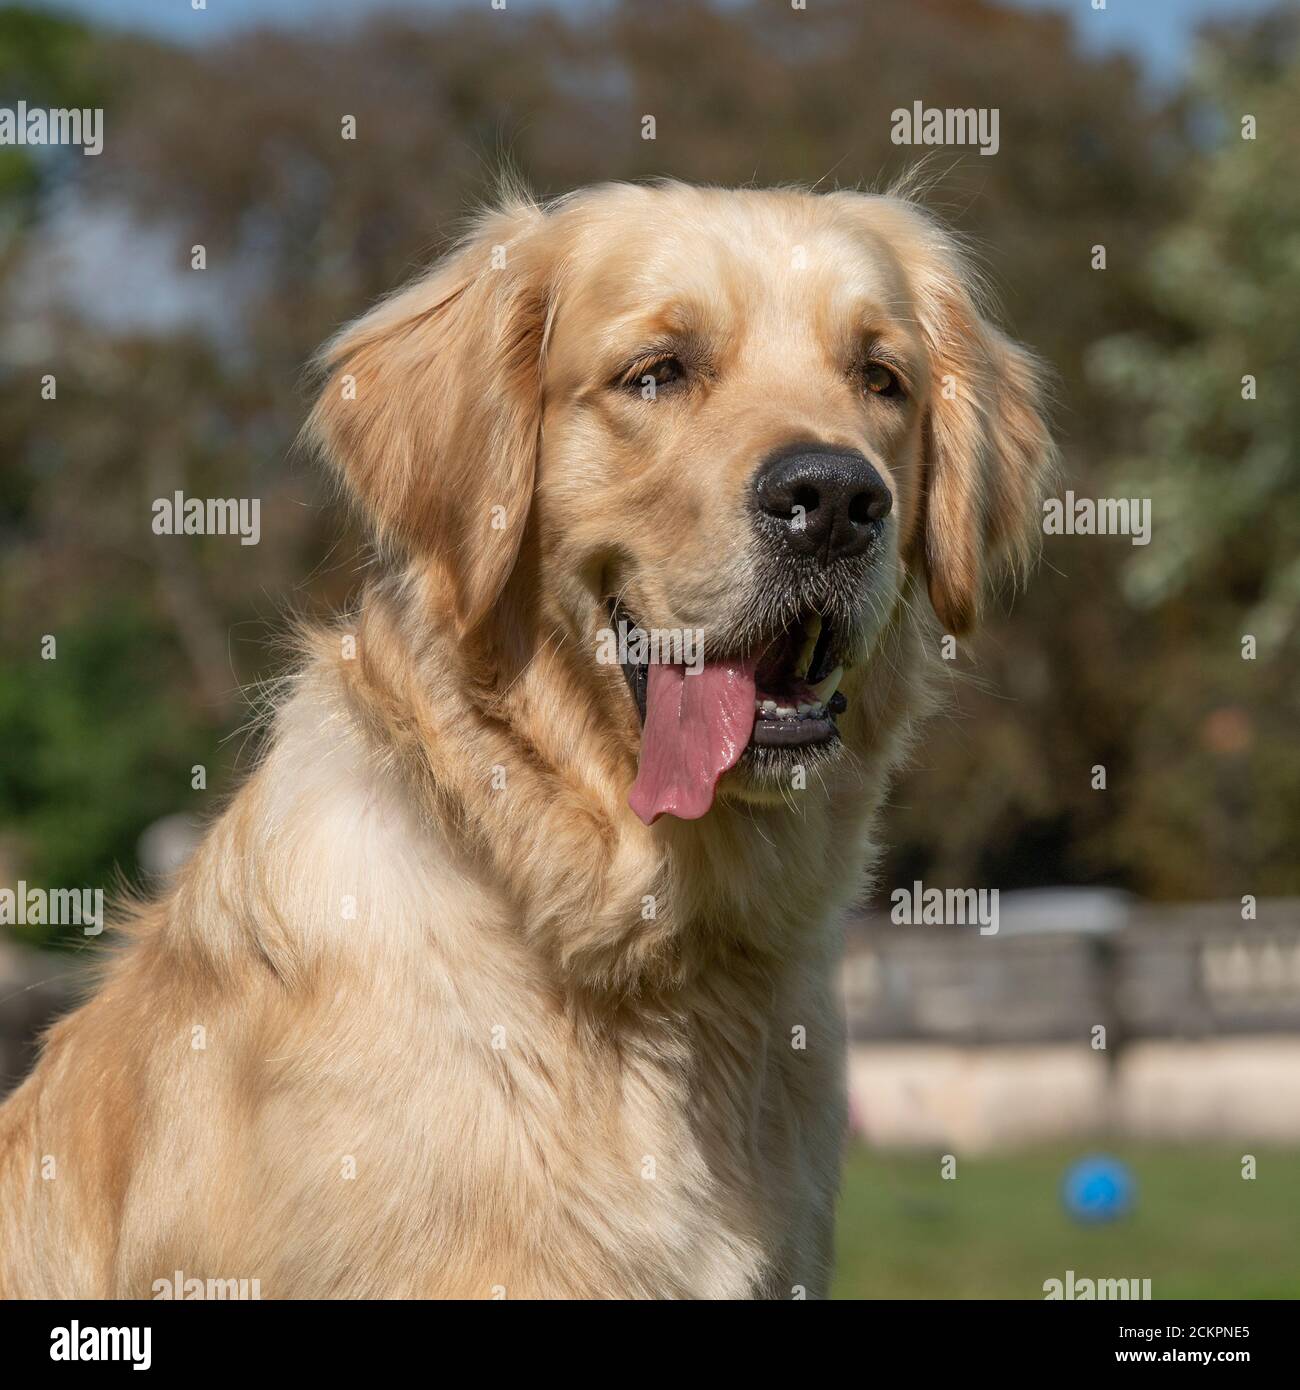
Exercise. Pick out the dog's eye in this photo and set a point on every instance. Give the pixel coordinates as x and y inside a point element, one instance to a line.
<point>659,372</point>
<point>880,380</point>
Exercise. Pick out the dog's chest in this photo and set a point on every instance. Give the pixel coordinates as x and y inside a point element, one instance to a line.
<point>688,1162</point>
<point>511,1159</point>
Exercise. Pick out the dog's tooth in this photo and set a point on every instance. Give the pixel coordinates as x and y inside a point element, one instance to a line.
<point>809,646</point>
<point>806,709</point>
<point>826,688</point>
<point>785,711</point>
<point>768,706</point>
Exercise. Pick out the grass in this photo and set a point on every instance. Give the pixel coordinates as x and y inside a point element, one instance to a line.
<point>998,1229</point>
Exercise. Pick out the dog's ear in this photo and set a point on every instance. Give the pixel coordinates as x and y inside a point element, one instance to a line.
<point>431,408</point>
<point>988,450</point>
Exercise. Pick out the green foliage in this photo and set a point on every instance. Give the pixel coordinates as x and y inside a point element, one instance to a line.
<point>44,60</point>
<point>1216,772</point>
<point>92,756</point>
<point>1224,470</point>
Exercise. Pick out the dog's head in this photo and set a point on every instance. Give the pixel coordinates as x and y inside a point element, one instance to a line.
<point>730,430</point>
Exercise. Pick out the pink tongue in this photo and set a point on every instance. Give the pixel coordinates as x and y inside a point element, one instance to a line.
<point>696,727</point>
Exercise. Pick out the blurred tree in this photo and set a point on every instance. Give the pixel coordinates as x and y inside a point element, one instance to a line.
<point>1214,806</point>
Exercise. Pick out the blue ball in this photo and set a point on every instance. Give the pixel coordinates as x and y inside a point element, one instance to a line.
<point>1098,1188</point>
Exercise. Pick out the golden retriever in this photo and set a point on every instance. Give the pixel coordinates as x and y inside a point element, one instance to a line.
<point>511,971</point>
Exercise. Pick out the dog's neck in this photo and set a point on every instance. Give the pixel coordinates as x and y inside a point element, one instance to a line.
<point>513,757</point>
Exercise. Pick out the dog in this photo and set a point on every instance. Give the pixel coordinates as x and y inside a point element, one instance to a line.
<point>511,970</point>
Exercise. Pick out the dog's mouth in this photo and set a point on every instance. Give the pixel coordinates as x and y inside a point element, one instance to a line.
<point>797,695</point>
<point>700,717</point>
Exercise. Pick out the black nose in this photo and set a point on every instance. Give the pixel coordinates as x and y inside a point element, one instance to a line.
<point>825,504</point>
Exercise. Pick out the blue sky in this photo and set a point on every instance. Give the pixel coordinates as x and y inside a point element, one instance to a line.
<point>1159,32</point>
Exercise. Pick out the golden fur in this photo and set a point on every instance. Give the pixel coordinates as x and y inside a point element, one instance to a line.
<point>469,1028</point>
